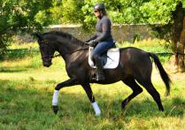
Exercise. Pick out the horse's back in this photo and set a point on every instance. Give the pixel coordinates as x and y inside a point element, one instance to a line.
<point>135,60</point>
<point>133,54</point>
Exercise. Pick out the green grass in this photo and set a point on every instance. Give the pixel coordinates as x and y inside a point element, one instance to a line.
<point>26,90</point>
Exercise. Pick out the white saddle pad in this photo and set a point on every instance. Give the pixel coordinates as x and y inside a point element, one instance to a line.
<point>113,57</point>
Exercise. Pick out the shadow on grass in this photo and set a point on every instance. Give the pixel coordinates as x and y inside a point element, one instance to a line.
<point>148,108</point>
<point>144,109</point>
<point>14,54</point>
<point>11,70</point>
<point>22,101</point>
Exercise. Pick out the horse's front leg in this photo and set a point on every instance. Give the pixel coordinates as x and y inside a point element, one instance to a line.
<point>67,83</point>
<point>90,95</point>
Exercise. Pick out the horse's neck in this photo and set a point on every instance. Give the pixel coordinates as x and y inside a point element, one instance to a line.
<point>75,57</point>
<point>70,51</point>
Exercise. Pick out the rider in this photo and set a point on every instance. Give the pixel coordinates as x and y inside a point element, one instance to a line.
<point>102,40</point>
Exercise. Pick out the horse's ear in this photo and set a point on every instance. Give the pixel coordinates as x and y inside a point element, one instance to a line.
<point>38,35</point>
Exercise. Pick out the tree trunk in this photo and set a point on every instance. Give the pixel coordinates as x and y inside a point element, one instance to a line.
<point>181,48</point>
<point>178,35</point>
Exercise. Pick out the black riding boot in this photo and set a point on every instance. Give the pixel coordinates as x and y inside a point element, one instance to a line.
<point>99,73</point>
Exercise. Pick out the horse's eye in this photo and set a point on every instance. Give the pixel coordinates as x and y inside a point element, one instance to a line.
<point>41,47</point>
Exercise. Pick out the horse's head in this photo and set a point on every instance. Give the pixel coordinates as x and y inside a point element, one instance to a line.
<point>46,48</point>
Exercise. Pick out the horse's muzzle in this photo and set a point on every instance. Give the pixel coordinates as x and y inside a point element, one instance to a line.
<point>47,64</point>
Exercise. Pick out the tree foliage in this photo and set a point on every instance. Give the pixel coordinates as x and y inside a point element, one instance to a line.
<point>120,11</point>
<point>163,13</point>
<point>21,16</point>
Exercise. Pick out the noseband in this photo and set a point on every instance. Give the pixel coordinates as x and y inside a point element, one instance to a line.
<point>50,56</point>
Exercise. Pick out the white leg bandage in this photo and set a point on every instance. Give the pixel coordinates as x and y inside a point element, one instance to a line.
<point>96,109</point>
<point>55,98</point>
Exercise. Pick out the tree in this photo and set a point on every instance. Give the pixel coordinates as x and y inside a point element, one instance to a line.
<point>170,15</point>
<point>22,16</point>
<point>177,39</point>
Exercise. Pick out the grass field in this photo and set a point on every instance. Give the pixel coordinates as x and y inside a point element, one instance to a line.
<point>26,90</point>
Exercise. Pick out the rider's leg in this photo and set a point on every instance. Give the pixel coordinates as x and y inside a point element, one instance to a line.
<point>96,56</point>
<point>99,65</point>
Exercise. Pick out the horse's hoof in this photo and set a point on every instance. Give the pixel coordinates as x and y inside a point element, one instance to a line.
<point>161,109</point>
<point>55,109</point>
<point>123,106</point>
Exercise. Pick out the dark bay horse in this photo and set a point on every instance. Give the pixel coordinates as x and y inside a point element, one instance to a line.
<point>135,65</point>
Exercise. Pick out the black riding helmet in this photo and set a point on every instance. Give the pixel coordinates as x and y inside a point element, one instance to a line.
<point>99,7</point>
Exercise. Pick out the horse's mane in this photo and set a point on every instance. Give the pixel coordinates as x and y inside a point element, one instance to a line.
<point>68,36</point>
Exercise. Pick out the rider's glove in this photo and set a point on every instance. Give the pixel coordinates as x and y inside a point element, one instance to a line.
<point>92,43</point>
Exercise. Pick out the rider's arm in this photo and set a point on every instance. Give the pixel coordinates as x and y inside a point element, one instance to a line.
<point>92,37</point>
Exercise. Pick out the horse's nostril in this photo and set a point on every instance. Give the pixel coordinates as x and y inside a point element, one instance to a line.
<point>47,64</point>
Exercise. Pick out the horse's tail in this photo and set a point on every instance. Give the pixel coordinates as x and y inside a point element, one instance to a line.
<point>162,72</point>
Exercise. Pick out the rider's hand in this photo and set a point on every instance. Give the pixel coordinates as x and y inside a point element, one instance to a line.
<point>92,43</point>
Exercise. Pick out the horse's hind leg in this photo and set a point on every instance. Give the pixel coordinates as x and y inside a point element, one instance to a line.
<point>135,88</point>
<point>153,92</point>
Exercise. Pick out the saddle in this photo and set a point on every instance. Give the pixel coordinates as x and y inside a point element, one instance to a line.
<point>110,58</point>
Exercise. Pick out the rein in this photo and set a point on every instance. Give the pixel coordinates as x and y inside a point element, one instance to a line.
<point>169,53</point>
<point>85,48</point>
